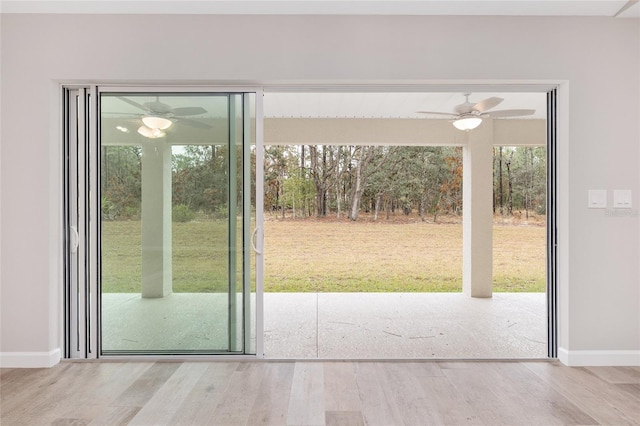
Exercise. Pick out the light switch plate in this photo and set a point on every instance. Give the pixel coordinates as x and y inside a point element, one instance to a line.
<point>622,198</point>
<point>597,198</point>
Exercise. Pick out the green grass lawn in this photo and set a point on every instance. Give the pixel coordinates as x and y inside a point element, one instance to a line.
<point>331,256</point>
<point>199,256</point>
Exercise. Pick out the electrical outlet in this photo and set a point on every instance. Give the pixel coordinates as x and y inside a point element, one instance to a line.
<point>597,198</point>
<point>622,198</point>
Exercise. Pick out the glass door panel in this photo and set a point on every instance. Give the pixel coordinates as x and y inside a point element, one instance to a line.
<point>175,219</point>
<point>252,218</point>
<point>76,213</point>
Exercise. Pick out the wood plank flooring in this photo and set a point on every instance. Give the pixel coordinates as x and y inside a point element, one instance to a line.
<point>383,393</point>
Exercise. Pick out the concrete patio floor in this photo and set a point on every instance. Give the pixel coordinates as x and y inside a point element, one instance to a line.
<point>339,325</point>
<point>404,325</point>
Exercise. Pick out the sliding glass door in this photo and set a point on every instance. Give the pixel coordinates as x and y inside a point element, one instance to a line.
<point>161,238</point>
<point>176,222</point>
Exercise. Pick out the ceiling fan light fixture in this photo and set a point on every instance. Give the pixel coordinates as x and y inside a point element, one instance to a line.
<point>154,122</point>
<point>151,133</point>
<point>467,123</point>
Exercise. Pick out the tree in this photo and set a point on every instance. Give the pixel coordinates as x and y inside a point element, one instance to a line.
<point>530,180</point>
<point>520,179</point>
<point>500,181</point>
<point>361,172</point>
<point>275,170</point>
<point>297,191</point>
<point>507,164</point>
<point>121,180</point>
<point>372,178</point>
<point>322,166</point>
<point>200,178</point>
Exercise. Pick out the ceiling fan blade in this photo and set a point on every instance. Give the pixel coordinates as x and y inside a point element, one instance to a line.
<point>487,104</point>
<point>448,114</point>
<point>511,113</point>
<point>464,108</point>
<point>134,103</point>
<point>184,111</point>
<point>194,123</point>
<point>158,107</point>
<point>629,4</point>
<point>132,114</point>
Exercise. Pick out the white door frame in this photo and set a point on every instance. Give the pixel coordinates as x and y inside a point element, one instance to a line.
<point>258,234</point>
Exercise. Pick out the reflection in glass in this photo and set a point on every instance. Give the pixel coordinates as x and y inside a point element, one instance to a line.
<point>172,168</point>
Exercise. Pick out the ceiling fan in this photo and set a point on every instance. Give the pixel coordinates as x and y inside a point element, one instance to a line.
<point>467,116</point>
<point>158,116</point>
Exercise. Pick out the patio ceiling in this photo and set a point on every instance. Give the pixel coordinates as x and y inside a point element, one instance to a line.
<point>388,105</point>
<point>336,118</point>
<point>335,104</point>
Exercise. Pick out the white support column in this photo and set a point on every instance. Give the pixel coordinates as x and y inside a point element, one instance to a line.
<point>156,219</point>
<point>477,212</point>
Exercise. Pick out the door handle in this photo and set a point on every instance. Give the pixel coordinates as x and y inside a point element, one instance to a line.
<point>75,239</point>
<point>253,238</point>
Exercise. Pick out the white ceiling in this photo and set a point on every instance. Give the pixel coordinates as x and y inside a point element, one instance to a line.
<point>610,8</point>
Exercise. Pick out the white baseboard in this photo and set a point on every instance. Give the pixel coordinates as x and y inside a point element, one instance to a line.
<point>30,359</point>
<point>599,358</point>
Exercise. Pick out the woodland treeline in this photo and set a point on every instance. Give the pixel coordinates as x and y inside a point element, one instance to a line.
<point>344,181</point>
<point>326,180</point>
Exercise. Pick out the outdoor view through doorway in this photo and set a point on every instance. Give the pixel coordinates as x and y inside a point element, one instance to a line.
<point>372,247</point>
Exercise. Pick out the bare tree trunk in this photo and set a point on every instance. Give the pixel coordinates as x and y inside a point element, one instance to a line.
<point>358,186</point>
<point>282,198</point>
<point>325,187</point>
<point>500,189</point>
<point>338,204</point>
<point>337,179</point>
<point>293,204</point>
<point>277,201</point>
<point>436,208</point>
<point>303,177</point>
<point>533,179</point>
<point>356,191</point>
<point>495,196</point>
<point>320,201</point>
<point>529,198</point>
<point>375,214</point>
<point>318,180</point>
<point>510,185</point>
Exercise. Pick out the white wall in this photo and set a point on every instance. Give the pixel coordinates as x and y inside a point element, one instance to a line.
<point>597,59</point>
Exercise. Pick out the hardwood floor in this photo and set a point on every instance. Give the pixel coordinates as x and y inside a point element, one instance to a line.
<point>319,393</point>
